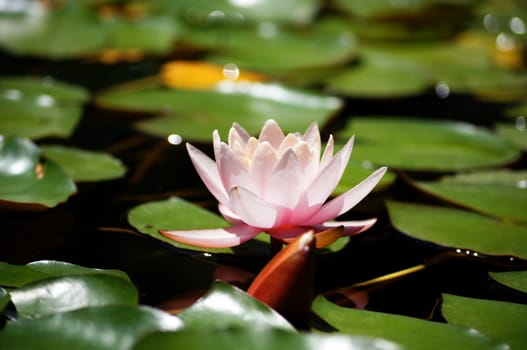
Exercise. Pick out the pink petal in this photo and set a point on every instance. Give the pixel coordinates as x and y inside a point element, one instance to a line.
<point>208,172</point>
<point>215,237</point>
<point>329,176</point>
<point>288,142</point>
<point>252,209</point>
<point>229,215</point>
<point>347,200</point>
<point>262,165</point>
<point>272,133</point>
<point>328,152</point>
<point>308,162</point>
<point>350,227</point>
<point>233,171</point>
<point>238,133</point>
<point>312,137</point>
<point>285,186</point>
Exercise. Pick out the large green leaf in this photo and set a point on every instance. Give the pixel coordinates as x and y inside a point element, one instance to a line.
<point>111,327</point>
<point>20,275</point>
<point>82,165</point>
<point>459,229</point>
<point>177,214</point>
<point>27,183</point>
<point>204,12</point>
<point>225,306</point>
<point>60,294</point>
<point>69,30</point>
<point>249,104</point>
<point>411,333</point>
<point>512,279</point>
<point>431,145</point>
<point>500,193</point>
<point>499,320</point>
<point>39,107</point>
<point>517,134</point>
<point>258,339</point>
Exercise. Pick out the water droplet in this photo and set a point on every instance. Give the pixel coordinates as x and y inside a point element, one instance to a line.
<point>504,42</point>
<point>245,3</point>
<point>45,101</point>
<point>367,164</point>
<point>267,30</point>
<point>442,89</point>
<point>231,71</point>
<point>458,251</point>
<point>215,16</point>
<point>522,184</point>
<point>521,123</point>
<point>517,25</point>
<point>491,23</point>
<point>174,139</point>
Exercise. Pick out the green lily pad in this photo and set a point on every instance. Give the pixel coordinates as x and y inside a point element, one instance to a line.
<point>500,193</point>
<point>225,306</point>
<point>410,333</point>
<point>516,134</point>
<point>82,165</point>
<point>203,12</point>
<point>457,228</point>
<point>502,321</point>
<point>258,339</point>
<point>512,279</point>
<point>380,78</point>
<point>430,145</point>
<point>113,327</point>
<point>178,214</point>
<point>71,29</point>
<point>26,183</point>
<point>249,104</point>
<point>4,299</point>
<point>20,275</point>
<point>151,34</point>
<point>60,294</point>
<point>39,107</point>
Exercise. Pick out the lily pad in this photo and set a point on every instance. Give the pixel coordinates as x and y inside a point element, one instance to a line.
<point>175,213</point>
<point>407,332</point>
<point>25,182</point>
<point>71,29</point>
<point>512,279</point>
<point>249,104</point>
<point>225,306</point>
<point>500,193</point>
<point>112,327</point>
<point>430,145</point>
<point>258,339</point>
<point>20,275</point>
<point>502,321</point>
<point>517,134</point>
<point>60,294</point>
<point>39,107</point>
<point>203,12</point>
<point>457,228</point>
<point>82,165</point>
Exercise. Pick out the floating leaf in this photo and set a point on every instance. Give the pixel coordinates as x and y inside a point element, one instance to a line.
<point>502,321</point>
<point>512,279</point>
<point>60,294</point>
<point>39,107</point>
<point>82,165</point>
<point>411,333</point>
<point>112,327</point>
<point>517,134</point>
<point>276,339</point>
<point>459,229</point>
<point>426,145</point>
<point>71,29</point>
<point>27,183</point>
<point>500,193</point>
<point>175,214</point>
<point>225,306</point>
<point>249,104</point>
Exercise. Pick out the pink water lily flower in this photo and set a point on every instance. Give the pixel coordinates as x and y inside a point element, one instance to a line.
<point>277,184</point>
